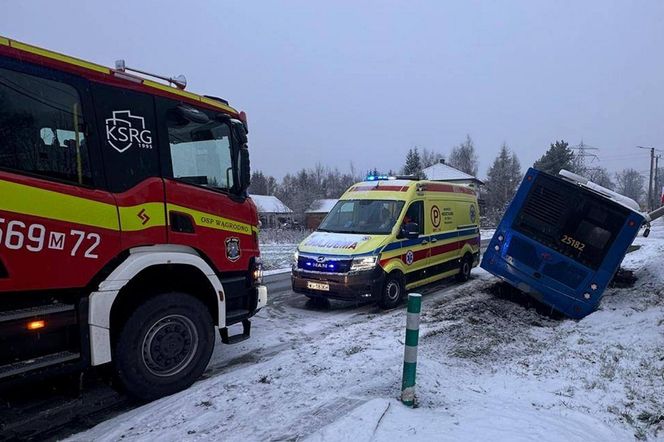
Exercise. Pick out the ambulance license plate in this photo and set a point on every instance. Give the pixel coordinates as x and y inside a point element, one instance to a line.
<point>318,286</point>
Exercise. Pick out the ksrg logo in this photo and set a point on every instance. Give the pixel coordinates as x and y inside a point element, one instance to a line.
<point>125,130</point>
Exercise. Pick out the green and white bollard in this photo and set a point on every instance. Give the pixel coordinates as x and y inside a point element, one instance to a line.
<point>410,353</point>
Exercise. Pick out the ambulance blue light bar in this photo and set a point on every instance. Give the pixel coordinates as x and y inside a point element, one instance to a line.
<point>380,178</point>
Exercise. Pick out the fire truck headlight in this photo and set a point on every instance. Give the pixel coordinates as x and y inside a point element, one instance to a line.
<point>257,272</point>
<point>365,263</point>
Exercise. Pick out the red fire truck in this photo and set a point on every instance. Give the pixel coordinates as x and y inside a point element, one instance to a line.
<point>126,233</point>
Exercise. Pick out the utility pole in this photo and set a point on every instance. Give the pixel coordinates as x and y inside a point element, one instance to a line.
<point>658,186</point>
<point>650,183</point>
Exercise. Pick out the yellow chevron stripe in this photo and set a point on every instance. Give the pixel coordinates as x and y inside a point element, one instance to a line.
<point>131,219</point>
<point>28,200</point>
<point>103,69</point>
<point>190,95</point>
<point>212,221</point>
<point>218,104</point>
<point>59,57</point>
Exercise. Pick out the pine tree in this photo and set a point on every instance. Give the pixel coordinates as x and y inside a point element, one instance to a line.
<point>559,156</point>
<point>464,158</point>
<point>413,164</point>
<point>503,178</point>
<point>258,184</point>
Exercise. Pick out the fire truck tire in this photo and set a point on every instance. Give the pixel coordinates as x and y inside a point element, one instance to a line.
<point>465,265</point>
<point>393,291</point>
<point>164,346</point>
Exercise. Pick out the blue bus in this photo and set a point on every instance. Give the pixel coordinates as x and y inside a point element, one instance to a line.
<point>562,239</point>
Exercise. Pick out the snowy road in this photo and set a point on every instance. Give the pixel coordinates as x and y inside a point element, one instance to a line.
<point>490,368</point>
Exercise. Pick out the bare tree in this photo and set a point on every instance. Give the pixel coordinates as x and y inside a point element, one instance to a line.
<point>601,176</point>
<point>464,158</point>
<point>629,182</point>
<point>430,157</point>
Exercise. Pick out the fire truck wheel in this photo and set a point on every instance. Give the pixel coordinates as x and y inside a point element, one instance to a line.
<point>164,346</point>
<point>392,291</point>
<point>465,265</point>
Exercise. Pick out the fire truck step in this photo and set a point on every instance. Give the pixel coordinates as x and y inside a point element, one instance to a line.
<point>234,339</point>
<point>35,363</point>
<point>34,312</point>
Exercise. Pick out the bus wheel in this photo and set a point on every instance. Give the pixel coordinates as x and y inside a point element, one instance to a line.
<point>392,292</point>
<point>164,346</point>
<point>464,268</point>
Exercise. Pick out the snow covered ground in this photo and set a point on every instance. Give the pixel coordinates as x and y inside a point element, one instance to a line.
<point>489,369</point>
<point>278,246</point>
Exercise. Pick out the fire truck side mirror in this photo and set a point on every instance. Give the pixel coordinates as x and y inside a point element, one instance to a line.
<point>245,168</point>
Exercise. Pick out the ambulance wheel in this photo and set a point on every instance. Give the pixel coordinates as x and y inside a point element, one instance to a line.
<point>465,265</point>
<point>164,346</point>
<point>392,291</point>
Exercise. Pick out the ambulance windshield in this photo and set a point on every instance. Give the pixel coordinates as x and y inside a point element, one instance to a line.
<point>370,217</point>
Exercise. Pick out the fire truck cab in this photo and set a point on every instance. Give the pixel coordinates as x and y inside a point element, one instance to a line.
<point>126,233</point>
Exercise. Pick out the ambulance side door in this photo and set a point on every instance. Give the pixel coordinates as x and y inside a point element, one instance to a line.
<point>415,255</point>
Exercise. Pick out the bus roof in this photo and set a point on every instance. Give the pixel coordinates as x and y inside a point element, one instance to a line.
<point>92,71</point>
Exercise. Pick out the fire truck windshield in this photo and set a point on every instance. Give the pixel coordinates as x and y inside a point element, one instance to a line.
<point>201,152</point>
<point>371,217</point>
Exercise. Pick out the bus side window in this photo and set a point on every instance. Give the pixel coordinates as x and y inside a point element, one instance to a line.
<point>42,128</point>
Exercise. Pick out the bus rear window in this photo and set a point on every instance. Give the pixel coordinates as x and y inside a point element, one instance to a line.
<point>571,220</point>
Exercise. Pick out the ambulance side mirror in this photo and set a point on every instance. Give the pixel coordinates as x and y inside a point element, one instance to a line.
<point>410,231</point>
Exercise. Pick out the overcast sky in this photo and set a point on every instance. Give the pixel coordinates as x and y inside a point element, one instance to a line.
<point>363,81</point>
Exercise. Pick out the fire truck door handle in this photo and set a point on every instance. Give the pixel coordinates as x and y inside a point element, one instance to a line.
<point>425,242</point>
<point>434,240</point>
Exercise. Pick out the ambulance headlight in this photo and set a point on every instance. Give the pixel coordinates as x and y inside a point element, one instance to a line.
<point>364,263</point>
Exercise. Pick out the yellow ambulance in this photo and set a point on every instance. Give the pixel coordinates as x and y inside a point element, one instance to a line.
<point>387,235</point>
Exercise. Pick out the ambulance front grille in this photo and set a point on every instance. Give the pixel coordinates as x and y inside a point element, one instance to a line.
<point>325,265</point>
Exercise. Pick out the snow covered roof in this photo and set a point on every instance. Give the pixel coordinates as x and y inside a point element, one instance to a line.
<point>322,206</point>
<point>444,172</point>
<point>270,204</point>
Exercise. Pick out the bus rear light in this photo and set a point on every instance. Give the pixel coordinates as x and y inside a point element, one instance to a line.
<point>36,325</point>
